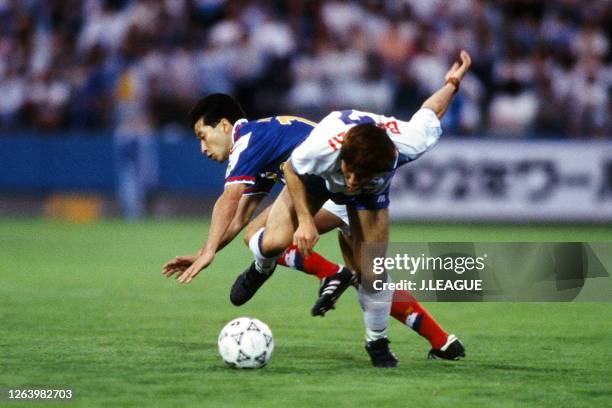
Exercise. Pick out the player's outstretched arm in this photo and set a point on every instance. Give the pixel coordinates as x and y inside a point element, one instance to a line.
<point>223,213</point>
<point>441,99</point>
<point>246,208</point>
<point>306,235</point>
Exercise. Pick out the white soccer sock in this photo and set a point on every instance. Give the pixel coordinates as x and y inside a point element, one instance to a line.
<point>263,264</point>
<point>376,307</point>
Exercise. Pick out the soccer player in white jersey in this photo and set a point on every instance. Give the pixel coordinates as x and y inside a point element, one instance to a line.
<point>350,158</point>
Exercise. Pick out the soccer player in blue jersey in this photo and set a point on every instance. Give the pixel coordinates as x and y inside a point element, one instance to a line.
<point>350,158</point>
<point>255,151</point>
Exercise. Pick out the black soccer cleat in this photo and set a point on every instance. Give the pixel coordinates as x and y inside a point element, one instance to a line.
<point>247,284</point>
<point>452,350</point>
<point>381,354</point>
<point>331,289</point>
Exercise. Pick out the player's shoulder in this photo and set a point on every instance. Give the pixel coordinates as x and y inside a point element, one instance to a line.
<point>281,122</point>
<point>252,126</point>
<point>254,131</point>
<point>345,114</point>
<point>266,129</point>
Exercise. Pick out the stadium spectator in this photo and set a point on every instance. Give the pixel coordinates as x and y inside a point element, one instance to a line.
<point>539,66</point>
<point>13,91</point>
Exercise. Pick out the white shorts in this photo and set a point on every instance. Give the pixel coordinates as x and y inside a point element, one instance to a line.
<point>340,212</point>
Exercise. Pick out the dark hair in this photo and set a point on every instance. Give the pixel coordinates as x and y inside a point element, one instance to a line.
<point>215,107</point>
<point>367,150</point>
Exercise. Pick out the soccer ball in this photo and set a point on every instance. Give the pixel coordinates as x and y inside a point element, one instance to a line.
<point>246,343</point>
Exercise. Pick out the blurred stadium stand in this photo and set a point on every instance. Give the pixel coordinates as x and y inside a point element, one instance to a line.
<point>80,80</point>
<point>539,66</point>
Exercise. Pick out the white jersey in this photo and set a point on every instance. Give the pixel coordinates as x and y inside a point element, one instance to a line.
<point>319,154</point>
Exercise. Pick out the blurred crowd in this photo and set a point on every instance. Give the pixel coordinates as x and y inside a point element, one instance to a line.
<point>541,68</point>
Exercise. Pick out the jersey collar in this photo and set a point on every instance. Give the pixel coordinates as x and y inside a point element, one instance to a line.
<point>235,130</point>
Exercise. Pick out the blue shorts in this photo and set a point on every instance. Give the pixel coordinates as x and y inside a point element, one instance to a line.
<point>316,187</point>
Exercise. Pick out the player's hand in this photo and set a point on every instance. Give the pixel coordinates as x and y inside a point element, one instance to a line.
<point>198,265</point>
<point>458,70</point>
<point>178,265</point>
<point>306,237</point>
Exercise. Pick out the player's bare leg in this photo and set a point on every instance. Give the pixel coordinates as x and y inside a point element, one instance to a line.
<point>406,309</point>
<point>266,244</point>
<point>315,264</point>
<point>333,285</point>
<point>346,247</point>
<point>326,221</point>
<point>256,224</point>
<point>370,229</point>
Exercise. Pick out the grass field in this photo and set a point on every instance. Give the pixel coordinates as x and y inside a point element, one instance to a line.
<point>85,307</point>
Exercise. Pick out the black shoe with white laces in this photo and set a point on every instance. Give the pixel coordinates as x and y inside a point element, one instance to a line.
<point>331,289</point>
<point>381,354</point>
<point>247,284</point>
<point>453,349</point>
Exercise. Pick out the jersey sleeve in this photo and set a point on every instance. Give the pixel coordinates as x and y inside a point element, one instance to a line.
<point>319,151</point>
<point>419,134</point>
<point>246,159</point>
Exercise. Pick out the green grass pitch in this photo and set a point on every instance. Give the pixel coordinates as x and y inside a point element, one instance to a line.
<point>85,307</point>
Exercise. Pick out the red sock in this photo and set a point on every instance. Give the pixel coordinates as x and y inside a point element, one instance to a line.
<point>315,264</point>
<point>410,312</point>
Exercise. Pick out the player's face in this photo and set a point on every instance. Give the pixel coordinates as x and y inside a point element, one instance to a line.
<point>353,181</point>
<point>215,142</point>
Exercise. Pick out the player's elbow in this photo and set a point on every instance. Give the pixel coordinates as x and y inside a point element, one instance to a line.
<point>233,193</point>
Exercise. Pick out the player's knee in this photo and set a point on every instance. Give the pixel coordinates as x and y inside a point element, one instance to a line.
<point>274,243</point>
<point>373,283</point>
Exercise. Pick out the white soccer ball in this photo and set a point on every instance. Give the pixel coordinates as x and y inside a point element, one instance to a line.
<point>246,343</point>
